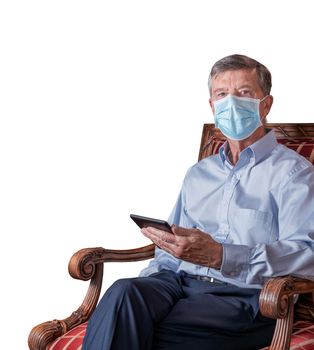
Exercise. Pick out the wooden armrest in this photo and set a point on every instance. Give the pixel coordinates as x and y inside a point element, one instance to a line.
<point>82,264</point>
<point>277,291</point>
<point>277,301</point>
<point>86,264</point>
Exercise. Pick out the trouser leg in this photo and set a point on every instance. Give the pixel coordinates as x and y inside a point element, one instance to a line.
<point>127,313</point>
<point>214,317</point>
<point>255,337</point>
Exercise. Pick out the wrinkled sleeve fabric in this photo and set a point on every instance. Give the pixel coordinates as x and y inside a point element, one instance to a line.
<point>292,252</point>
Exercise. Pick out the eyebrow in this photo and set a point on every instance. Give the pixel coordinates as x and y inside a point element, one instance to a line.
<point>219,89</point>
<point>240,87</point>
<point>245,86</point>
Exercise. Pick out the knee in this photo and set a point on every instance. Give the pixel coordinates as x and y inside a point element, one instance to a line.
<point>124,287</point>
<point>115,295</point>
<point>129,285</point>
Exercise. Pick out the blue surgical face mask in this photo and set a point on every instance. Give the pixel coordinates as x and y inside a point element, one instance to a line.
<point>237,117</point>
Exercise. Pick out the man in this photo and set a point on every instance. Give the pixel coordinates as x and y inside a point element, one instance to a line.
<point>242,216</point>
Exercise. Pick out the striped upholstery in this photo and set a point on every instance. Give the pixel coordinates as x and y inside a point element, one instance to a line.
<point>71,340</point>
<point>302,339</point>
<point>303,336</point>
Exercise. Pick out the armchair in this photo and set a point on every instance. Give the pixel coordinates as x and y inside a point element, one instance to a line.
<point>295,321</point>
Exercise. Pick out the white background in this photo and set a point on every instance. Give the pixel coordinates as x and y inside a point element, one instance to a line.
<point>102,106</point>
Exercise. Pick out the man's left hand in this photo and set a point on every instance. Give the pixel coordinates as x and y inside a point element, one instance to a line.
<point>190,245</point>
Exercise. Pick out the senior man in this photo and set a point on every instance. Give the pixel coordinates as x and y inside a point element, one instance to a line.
<point>242,216</point>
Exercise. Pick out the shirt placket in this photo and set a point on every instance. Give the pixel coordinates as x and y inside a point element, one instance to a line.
<point>228,191</point>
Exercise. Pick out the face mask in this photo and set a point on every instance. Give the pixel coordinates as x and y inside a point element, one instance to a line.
<point>237,117</point>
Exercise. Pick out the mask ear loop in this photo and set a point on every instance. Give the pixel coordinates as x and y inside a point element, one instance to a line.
<point>263,120</point>
<point>262,100</point>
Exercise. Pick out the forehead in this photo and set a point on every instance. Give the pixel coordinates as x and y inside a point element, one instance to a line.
<point>235,79</point>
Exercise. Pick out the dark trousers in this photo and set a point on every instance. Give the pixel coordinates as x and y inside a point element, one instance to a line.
<point>175,312</point>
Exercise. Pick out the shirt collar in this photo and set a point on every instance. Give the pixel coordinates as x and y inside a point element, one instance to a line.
<point>259,149</point>
<point>223,152</point>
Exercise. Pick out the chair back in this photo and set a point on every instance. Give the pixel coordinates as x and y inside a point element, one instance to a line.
<point>297,136</point>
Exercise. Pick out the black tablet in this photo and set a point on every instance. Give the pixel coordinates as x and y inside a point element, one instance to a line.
<point>143,221</point>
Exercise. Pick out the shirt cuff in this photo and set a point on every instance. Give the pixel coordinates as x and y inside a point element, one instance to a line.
<point>235,261</point>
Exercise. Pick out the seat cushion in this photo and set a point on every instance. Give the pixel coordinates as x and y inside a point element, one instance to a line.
<point>71,340</point>
<point>302,339</point>
<point>303,336</point>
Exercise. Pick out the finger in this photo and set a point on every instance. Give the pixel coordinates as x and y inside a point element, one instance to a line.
<point>164,240</point>
<point>163,235</point>
<point>158,236</point>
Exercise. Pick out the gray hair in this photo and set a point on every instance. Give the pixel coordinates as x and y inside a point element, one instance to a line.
<point>236,62</point>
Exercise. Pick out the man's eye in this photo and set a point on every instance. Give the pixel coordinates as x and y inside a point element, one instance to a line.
<point>221,94</point>
<point>246,92</point>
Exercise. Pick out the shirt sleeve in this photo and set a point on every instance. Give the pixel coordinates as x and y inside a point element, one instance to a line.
<point>292,252</point>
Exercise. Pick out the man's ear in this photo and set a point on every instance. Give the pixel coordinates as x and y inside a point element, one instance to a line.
<point>211,103</point>
<point>265,108</point>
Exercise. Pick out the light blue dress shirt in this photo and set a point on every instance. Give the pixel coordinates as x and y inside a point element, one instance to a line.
<point>261,210</point>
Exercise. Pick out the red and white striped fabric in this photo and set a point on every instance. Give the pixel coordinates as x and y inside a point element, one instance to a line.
<point>71,340</point>
<point>302,339</point>
<point>303,336</point>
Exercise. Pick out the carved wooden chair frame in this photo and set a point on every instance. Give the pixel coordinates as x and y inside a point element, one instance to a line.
<point>276,299</point>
